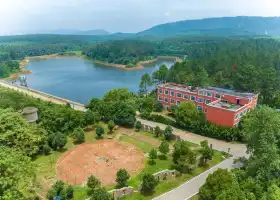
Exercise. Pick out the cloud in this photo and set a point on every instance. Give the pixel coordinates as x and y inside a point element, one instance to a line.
<point>25,16</point>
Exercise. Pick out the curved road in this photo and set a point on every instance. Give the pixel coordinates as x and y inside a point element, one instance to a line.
<point>191,188</point>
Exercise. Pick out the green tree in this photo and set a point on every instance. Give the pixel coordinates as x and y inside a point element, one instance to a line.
<point>138,125</point>
<point>158,131</point>
<point>79,135</point>
<point>91,117</point>
<point>100,131</point>
<point>186,113</point>
<point>160,75</point>
<point>100,194</point>
<point>221,183</point>
<point>111,125</point>
<point>17,173</point>
<point>122,178</point>
<point>93,183</point>
<point>183,157</point>
<point>153,155</point>
<point>273,193</point>
<point>69,192</point>
<point>17,133</point>
<point>148,184</point>
<point>146,81</point>
<point>168,132</point>
<point>57,140</point>
<point>158,107</point>
<point>262,128</point>
<point>164,148</point>
<point>206,153</point>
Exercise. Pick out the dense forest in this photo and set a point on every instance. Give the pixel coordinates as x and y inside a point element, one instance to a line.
<point>122,52</point>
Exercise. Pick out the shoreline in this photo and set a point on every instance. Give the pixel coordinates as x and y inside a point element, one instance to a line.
<point>139,66</point>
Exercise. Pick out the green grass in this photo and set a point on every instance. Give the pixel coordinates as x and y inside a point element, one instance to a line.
<point>194,197</point>
<point>47,166</point>
<point>168,185</point>
<point>143,146</point>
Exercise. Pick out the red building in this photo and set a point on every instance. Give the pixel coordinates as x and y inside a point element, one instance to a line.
<point>221,106</point>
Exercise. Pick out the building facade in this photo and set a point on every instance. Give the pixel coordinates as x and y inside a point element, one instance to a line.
<point>221,106</point>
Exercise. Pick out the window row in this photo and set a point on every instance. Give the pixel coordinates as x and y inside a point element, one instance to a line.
<point>200,92</point>
<point>193,98</point>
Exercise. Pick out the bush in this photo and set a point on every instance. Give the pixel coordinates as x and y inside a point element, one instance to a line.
<point>100,131</point>
<point>153,155</point>
<point>159,107</point>
<point>122,178</point>
<point>160,119</point>
<point>57,140</point>
<point>158,132</point>
<point>93,182</point>
<point>111,125</point>
<point>78,136</point>
<point>138,125</point>
<point>148,184</point>
<point>46,149</point>
<point>168,132</point>
<point>69,192</point>
<point>164,147</point>
<point>100,194</point>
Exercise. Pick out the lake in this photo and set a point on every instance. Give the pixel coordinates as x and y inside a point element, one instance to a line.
<point>80,80</point>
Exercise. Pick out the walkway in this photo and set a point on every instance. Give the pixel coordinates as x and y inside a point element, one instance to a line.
<point>43,96</point>
<point>191,188</point>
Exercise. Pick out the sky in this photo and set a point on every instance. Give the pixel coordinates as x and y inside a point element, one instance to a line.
<point>35,16</point>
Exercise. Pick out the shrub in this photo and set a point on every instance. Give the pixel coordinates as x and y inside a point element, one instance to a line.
<point>159,107</point>
<point>158,131</point>
<point>100,194</point>
<point>46,149</point>
<point>164,147</point>
<point>78,135</point>
<point>69,192</point>
<point>148,184</point>
<point>138,125</point>
<point>111,125</point>
<point>93,182</point>
<point>122,178</point>
<point>168,132</point>
<point>100,131</point>
<point>153,155</point>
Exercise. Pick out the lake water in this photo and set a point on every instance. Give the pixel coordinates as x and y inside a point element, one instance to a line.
<point>80,80</point>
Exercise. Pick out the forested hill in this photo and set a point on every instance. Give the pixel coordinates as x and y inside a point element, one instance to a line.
<point>219,26</point>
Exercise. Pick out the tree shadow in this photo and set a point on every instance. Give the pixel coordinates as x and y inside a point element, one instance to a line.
<point>162,157</point>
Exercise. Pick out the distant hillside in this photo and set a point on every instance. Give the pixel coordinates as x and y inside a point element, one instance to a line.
<point>219,26</point>
<point>79,32</point>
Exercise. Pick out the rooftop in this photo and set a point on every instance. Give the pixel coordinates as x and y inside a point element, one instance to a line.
<point>186,88</point>
<point>226,105</point>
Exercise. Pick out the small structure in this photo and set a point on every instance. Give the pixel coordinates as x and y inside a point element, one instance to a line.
<point>125,191</point>
<point>165,174</point>
<point>30,114</point>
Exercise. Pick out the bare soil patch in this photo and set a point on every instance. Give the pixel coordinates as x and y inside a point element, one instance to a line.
<point>102,159</point>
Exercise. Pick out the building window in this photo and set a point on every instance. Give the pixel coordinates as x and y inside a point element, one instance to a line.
<point>218,96</point>
<point>166,100</point>
<point>172,101</point>
<point>159,98</point>
<point>166,92</point>
<point>193,98</point>
<point>207,101</point>
<point>186,96</point>
<point>199,108</point>
<point>179,95</point>
<point>178,103</point>
<point>201,92</point>
<point>172,94</point>
<point>160,91</point>
<point>200,100</point>
<point>209,94</point>
<point>205,110</point>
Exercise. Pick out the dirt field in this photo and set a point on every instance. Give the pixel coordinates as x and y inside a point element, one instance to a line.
<point>102,159</point>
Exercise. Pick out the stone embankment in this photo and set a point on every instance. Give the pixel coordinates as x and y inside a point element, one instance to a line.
<point>43,96</point>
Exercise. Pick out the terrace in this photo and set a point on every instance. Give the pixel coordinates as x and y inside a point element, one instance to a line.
<point>225,105</point>
<point>179,87</point>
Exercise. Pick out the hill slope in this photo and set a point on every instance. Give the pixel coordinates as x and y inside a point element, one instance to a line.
<point>219,26</point>
<point>79,32</point>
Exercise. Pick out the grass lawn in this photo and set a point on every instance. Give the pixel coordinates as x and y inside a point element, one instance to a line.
<point>47,164</point>
<point>168,185</point>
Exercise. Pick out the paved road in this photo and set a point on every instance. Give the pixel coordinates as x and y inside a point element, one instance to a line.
<point>191,188</point>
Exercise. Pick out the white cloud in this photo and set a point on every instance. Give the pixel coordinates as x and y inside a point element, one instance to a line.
<point>119,15</point>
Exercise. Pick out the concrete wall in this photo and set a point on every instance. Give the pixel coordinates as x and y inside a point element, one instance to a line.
<point>125,191</point>
<point>43,96</point>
